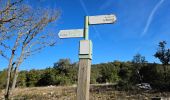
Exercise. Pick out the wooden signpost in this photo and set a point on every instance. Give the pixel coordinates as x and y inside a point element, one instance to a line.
<point>85,51</point>
<point>74,33</point>
<point>102,19</point>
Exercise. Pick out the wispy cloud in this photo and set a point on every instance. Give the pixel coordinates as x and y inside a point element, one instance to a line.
<point>151,17</point>
<point>87,13</point>
<point>97,35</point>
<point>84,6</point>
<point>106,4</point>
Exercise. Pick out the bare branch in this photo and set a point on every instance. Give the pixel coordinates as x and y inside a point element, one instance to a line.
<point>10,6</point>
<point>3,55</point>
<point>5,46</point>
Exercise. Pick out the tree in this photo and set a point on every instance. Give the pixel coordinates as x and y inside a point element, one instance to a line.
<point>47,78</point>
<point>32,77</point>
<point>95,72</point>
<point>67,72</point>
<point>21,81</point>
<point>24,27</point>
<point>163,55</point>
<point>152,75</point>
<point>72,73</point>
<point>125,71</point>
<point>138,59</point>
<point>108,73</point>
<point>63,65</point>
<point>138,62</point>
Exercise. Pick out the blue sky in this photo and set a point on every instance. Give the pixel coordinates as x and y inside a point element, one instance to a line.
<point>140,25</point>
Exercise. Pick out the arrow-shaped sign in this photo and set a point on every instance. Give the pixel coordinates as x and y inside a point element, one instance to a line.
<point>102,19</point>
<point>73,33</point>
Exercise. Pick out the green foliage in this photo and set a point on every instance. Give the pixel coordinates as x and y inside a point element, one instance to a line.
<point>21,82</point>
<point>162,53</point>
<point>62,80</point>
<point>63,65</point>
<point>95,73</point>
<point>73,74</point>
<point>125,71</point>
<point>138,62</point>
<point>67,70</point>
<point>47,78</point>
<point>3,76</point>
<point>151,73</point>
<point>108,73</point>
<point>33,77</point>
<point>125,74</point>
<point>138,59</point>
<point>125,85</point>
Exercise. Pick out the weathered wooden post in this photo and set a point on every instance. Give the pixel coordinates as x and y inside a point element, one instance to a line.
<point>85,57</point>
<point>85,51</point>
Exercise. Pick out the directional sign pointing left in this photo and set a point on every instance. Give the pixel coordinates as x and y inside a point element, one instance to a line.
<point>73,33</point>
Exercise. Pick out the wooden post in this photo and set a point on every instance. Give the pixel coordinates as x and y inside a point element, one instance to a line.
<point>85,57</point>
<point>84,79</point>
<point>85,51</point>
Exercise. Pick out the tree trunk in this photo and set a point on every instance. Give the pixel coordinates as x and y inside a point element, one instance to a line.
<point>16,71</point>
<point>7,90</point>
<point>14,79</point>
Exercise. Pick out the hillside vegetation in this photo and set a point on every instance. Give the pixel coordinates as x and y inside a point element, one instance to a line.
<point>124,74</point>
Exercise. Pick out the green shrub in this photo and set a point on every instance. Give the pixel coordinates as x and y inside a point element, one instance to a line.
<point>3,76</point>
<point>62,80</point>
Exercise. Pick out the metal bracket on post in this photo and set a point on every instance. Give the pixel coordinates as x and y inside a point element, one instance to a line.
<point>85,49</point>
<point>86,28</point>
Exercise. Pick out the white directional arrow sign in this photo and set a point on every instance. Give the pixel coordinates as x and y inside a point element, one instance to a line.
<point>73,33</point>
<point>102,19</point>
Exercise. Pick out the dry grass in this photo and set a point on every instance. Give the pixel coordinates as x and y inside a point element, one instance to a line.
<point>69,93</point>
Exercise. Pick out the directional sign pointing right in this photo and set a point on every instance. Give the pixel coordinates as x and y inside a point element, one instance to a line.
<point>102,19</point>
<point>73,33</point>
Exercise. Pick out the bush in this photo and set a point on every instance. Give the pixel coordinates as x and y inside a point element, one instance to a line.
<point>3,76</point>
<point>21,82</point>
<point>48,78</point>
<point>62,80</point>
<point>32,77</point>
<point>125,85</point>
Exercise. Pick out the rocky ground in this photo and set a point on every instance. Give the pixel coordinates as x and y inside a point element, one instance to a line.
<point>69,93</point>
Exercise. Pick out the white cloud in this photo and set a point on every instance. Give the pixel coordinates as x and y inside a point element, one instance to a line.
<point>151,17</point>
